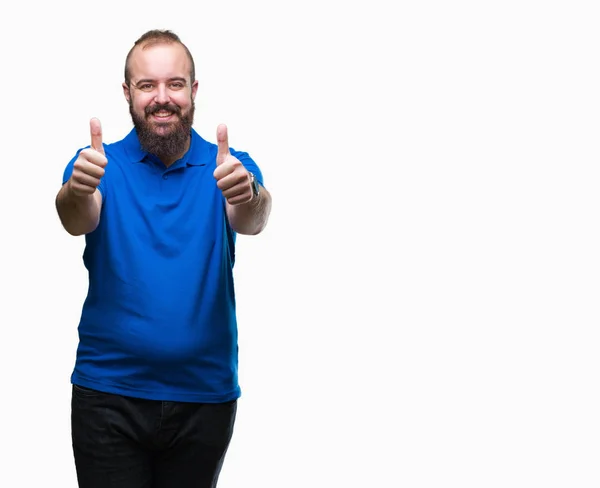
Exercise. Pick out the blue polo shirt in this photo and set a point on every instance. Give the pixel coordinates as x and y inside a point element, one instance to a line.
<point>159,318</point>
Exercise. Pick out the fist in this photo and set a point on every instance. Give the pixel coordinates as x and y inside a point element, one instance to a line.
<point>232,178</point>
<point>89,166</point>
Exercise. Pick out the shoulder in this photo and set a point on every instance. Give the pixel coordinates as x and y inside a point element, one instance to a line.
<point>124,151</point>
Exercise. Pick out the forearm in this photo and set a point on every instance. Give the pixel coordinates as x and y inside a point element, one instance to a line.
<point>250,218</point>
<point>78,214</point>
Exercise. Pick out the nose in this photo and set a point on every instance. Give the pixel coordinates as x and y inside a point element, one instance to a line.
<point>162,94</point>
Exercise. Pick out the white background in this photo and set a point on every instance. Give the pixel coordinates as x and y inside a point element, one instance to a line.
<point>422,310</point>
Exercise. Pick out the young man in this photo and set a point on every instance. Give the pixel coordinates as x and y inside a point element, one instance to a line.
<point>155,382</point>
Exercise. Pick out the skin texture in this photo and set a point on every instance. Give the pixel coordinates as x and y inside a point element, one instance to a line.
<point>79,202</point>
<point>247,214</point>
<point>160,79</point>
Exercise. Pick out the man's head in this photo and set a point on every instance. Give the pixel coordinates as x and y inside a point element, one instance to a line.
<point>160,88</point>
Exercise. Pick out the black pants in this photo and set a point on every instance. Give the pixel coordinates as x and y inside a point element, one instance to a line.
<point>123,442</point>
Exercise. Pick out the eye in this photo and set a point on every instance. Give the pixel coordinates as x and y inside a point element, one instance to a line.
<point>177,85</point>
<point>146,87</point>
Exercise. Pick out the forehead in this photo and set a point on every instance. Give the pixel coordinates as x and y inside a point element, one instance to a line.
<point>158,61</point>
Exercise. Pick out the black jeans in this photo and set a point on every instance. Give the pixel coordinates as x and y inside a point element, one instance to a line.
<point>123,442</point>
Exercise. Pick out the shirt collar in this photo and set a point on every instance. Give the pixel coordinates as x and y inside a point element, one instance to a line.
<point>198,153</point>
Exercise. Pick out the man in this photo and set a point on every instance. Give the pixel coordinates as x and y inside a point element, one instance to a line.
<point>155,384</point>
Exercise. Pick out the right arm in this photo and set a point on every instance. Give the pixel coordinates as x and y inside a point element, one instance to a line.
<point>79,201</point>
<point>79,214</point>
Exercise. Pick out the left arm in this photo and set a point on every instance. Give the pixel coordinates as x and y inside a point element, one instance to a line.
<point>247,213</point>
<point>250,218</point>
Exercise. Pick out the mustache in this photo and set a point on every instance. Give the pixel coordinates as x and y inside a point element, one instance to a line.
<point>162,106</point>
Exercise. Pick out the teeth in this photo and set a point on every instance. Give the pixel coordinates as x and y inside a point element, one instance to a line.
<point>162,114</point>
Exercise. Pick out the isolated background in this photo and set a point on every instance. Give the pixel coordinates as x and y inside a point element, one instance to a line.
<point>422,310</point>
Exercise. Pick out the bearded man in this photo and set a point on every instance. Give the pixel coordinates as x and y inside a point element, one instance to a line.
<point>155,381</point>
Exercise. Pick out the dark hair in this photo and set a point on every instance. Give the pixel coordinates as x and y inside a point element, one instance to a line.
<point>152,38</point>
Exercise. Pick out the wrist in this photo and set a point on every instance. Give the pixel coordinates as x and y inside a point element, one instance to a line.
<point>255,187</point>
<point>74,195</point>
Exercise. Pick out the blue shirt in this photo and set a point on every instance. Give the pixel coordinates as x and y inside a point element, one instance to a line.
<point>159,318</point>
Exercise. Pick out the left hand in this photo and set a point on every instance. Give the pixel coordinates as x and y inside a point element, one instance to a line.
<point>232,178</point>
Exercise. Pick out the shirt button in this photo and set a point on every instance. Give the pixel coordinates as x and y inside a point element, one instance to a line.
<point>165,177</point>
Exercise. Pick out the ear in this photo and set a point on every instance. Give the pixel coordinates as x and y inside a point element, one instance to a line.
<point>126,92</point>
<point>194,89</point>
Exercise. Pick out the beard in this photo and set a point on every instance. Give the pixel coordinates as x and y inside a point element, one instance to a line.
<point>170,143</point>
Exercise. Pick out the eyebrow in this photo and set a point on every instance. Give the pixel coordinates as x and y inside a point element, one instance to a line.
<point>148,80</point>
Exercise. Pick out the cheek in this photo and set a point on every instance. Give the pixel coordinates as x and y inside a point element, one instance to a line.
<point>182,100</point>
<point>139,103</point>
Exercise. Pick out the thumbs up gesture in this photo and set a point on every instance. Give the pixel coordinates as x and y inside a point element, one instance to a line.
<point>88,168</point>
<point>232,178</point>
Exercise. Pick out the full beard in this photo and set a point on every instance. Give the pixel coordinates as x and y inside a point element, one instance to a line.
<point>174,141</point>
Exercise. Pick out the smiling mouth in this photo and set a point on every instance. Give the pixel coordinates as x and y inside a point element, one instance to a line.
<point>162,115</point>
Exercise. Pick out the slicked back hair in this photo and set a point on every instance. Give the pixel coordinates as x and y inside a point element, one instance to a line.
<point>152,38</point>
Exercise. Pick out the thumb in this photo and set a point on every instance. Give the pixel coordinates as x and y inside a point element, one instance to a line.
<point>222,143</point>
<point>96,133</point>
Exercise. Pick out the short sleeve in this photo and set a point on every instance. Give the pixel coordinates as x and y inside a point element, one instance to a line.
<point>249,164</point>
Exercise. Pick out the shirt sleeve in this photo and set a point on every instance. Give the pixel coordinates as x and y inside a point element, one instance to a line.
<point>249,164</point>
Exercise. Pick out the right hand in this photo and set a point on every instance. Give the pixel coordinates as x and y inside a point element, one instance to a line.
<point>89,166</point>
